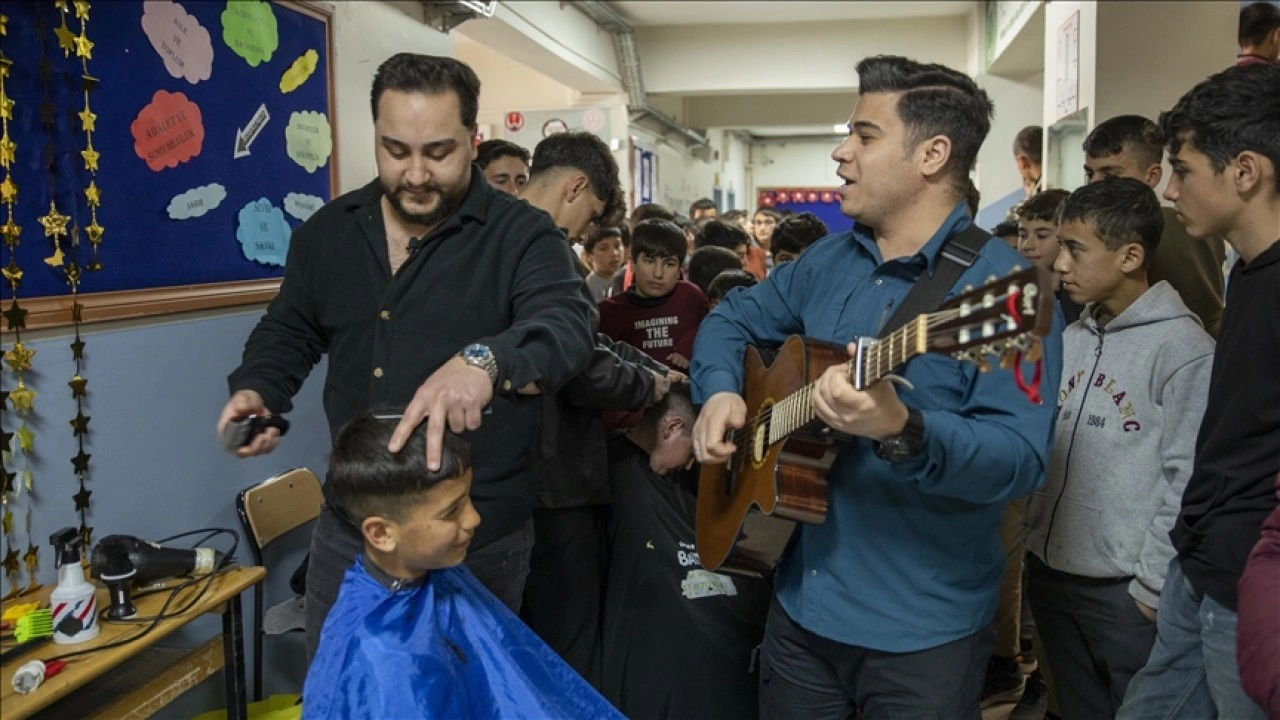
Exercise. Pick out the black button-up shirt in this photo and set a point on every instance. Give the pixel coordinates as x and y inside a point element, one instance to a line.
<point>496,272</point>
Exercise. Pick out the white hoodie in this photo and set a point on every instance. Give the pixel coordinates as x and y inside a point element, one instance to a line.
<point>1129,411</point>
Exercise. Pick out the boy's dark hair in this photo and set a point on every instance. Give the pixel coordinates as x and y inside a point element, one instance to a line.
<point>1126,132</point>
<point>702,204</point>
<point>430,75</point>
<point>658,239</point>
<point>677,402</point>
<point>721,233</point>
<point>1028,142</point>
<point>1231,112</point>
<point>1044,206</point>
<point>796,232</point>
<point>652,211</point>
<point>624,232</point>
<point>1256,22</point>
<point>1008,228</point>
<point>490,150</point>
<point>589,155</point>
<point>936,100</point>
<point>598,234</point>
<point>1119,211</point>
<point>365,479</point>
<point>707,263</point>
<point>972,198</point>
<point>734,215</point>
<point>728,280</point>
<point>768,211</point>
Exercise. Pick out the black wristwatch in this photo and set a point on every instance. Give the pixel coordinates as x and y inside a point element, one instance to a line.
<point>907,444</point>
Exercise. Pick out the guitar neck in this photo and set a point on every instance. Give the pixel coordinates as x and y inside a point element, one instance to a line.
<point>874,362</point>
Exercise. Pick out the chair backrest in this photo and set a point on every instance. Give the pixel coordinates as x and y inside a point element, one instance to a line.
<point>279,504</point>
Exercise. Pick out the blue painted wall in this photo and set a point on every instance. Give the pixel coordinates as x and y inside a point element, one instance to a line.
<point>154,395</point>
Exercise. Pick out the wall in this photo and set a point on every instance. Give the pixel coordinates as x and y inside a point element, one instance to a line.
<point>1018,103</point>
<point>793,163</point>
<point>156,387</point>
<point>683,178</point>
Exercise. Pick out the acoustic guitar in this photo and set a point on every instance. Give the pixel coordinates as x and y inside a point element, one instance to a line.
<point>748,507</point>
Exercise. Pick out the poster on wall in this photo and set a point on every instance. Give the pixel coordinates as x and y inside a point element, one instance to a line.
<point>1067,87</point>
<point>528,128</point>
<point>644,168</point>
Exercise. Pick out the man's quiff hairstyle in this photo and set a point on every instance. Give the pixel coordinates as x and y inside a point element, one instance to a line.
<point>935,100</point>
<point>1133,133</point>
<point>429,75</point>
<point>589,155</point>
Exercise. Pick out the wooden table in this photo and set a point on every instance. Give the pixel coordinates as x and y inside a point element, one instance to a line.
<point>143,676</point>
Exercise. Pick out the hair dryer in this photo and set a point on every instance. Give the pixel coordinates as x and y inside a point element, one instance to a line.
<point>121,561</point>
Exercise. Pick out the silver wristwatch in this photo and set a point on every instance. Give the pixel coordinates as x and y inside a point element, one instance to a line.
<point>481,356</point>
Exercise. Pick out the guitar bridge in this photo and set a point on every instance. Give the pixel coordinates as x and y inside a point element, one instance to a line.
<point>859,370</point>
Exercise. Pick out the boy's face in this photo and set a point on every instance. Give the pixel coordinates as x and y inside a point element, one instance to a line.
<point>674,448</point>
<point>437,530</point>
<point>1038,242</point>
<point>508,174</point>
<point>1123,164</point>
<point>741,252</point>
<point>606,256</point>
<point>656,277</point>
<point>1205,201</point>
<point>1090,272</point>
<point>783,256</point>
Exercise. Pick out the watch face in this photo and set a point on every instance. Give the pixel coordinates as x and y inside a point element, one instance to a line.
<point>476,353</point>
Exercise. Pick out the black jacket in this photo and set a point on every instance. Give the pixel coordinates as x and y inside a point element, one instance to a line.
<point>495,272</point>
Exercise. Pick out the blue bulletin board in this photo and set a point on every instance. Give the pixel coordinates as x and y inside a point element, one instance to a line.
<point>823,202</point>
<point>214,135</point>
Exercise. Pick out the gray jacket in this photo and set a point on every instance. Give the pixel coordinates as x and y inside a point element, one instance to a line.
<point>1129,410</point>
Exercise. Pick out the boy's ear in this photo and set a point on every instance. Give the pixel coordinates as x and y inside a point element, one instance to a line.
<point>1251,170</point>
<point>1154,173</point>
<point>672,425</point>
<point>577,186</point>
<point>380,533</point>
<point>1133,258</point>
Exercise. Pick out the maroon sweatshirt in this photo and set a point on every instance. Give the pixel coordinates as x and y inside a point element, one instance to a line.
<point>1258,618</point>
<point>656,326</point>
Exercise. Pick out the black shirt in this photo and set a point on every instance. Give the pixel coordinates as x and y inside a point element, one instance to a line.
<point>495,272</point>
<point>1232,488</point>
<point>678,640</point>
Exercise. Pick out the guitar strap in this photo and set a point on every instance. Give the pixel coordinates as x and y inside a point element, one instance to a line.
<point>956,256</point>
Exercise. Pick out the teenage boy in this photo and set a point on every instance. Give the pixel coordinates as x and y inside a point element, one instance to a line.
<point>794,234</point>
<point>1134,385</point>
<point>504,164</point>
<point>660,313</point>
<point>604,249</point>
<point>722,233</point>
<point>413,633</point>
<point>708,262</point>
<point>679,640</point>
<point>726,281</point>
<point>1130,146</point>
<point>1224,146</point>
<point>1038,239</point>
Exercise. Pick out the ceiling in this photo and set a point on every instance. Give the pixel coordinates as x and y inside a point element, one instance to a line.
<point>656,13</point>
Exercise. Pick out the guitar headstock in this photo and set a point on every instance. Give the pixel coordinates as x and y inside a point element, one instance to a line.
<point>1005,316</point>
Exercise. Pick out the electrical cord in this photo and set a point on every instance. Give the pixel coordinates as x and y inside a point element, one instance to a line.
<point>164,614</point>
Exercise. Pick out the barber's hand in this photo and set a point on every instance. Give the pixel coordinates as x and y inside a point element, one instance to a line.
<point>722,412</point>
<point>456,395</point>
<point>1147,611</point>
<point>876,412</point>
<point>661,384</point>
<point>677,360</point>
<point>675,376</point>
<point>249,402</point>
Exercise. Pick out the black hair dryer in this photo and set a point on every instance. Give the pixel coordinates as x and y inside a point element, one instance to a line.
<point>121,561</point>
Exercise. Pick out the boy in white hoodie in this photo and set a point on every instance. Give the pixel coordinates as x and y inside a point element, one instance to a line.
<point>1135,381</point>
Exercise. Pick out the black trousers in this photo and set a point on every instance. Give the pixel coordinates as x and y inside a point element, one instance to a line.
<point>807,676</point>
<point>501,566</point>
<point>563,594</point>
<point>1095,637</point>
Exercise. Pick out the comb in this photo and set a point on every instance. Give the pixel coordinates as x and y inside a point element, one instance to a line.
<point>34,625</point>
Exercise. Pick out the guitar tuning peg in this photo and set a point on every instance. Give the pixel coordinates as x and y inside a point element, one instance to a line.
<point>984,365</point>
<point>990,279</point>
<point>1034,352</point>
<point>968,289</point>
<point>1007,359</point>
<point>1016,268</point>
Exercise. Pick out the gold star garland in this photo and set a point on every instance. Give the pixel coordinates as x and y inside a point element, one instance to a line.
<point>82,47</point>
<point>18,357</point>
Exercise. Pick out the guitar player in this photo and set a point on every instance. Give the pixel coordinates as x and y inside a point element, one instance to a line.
<point>886,607</point>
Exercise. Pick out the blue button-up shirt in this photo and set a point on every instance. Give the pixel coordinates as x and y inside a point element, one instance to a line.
<point>909,556</point>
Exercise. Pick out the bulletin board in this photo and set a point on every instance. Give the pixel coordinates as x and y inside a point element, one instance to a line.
<point>823,202</point>
<point>214,138</point>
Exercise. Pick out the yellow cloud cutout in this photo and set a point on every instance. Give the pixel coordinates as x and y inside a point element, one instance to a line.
<point>299,71</point>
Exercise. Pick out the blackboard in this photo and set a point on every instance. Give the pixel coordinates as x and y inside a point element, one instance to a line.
<point>167,73</point>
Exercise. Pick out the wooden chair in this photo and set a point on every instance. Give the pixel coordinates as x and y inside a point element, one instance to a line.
<point>270,510</point>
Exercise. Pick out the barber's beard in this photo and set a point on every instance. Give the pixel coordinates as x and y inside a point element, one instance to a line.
<point>446,201</point>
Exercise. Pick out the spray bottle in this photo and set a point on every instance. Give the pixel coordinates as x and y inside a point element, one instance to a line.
<point>75,604</point>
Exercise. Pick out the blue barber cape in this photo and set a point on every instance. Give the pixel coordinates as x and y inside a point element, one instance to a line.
<point>444,649</point>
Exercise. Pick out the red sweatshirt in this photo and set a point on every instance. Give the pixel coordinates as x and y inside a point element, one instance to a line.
<point>657,327</point>
<point>1258,618</point>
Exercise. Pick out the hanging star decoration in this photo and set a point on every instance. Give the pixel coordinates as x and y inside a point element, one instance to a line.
<point>8,151</point>
<point>88,120</point>
<point>80,425</point>
<point>77,349</point>
<point>22,397</point>
<point>16,316</point>
<point>26,438</point>
<point>11,562</point>
<point>93,195</point>
<point>6,103</point>
<point>81,462</point>
<point>8,190</point>
<point>66,38</point>
<point>6,520</point>
<point>82,9</point>
<point>12,274</point>
<point>77,386</point>
<point>82,499</point>
<point>90,159</point>
<point>32,560</point>
<point>19,360</point>
<point>12,233</point>
<point>55,223</point>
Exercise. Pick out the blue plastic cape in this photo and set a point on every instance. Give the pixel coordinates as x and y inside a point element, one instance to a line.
<point>444,649</point>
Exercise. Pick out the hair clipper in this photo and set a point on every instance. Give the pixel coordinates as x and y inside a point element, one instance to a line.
<point>242,431</point>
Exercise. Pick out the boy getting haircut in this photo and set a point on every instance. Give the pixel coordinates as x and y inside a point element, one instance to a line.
<point>794,234</point>
<point>659,313</point>
<point>708,262</point>
<point>728,280</point>
<point>407,609</point>
<point>1135,382</point>
<point>677,638</point>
